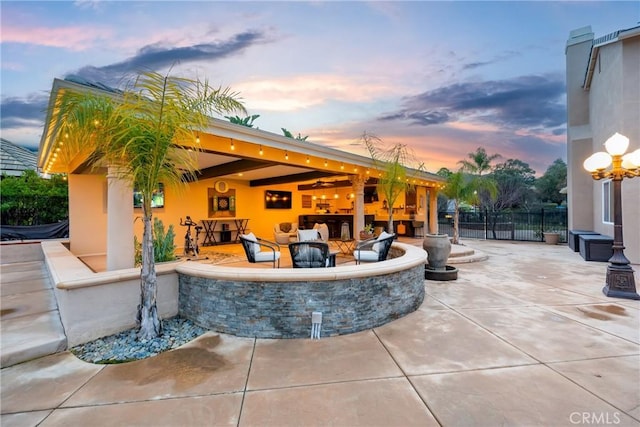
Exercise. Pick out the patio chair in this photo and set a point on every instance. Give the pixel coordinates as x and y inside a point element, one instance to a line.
<point>284,232</point>
<point>309,254</point>
<point>308,235</point>
<point>374,250</point>
<point>253,245</point>
<point>323,230</point>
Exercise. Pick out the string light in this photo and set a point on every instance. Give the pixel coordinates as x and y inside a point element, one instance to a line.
<point>197,138</point>
<point>308,161</point>
<point>261,152</point>
<point>342,166</point>
<point>233,147</point>
<point>286,155</point>
<point>326,163</point>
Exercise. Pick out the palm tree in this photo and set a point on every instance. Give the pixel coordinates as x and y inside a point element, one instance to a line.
<point>393,161</point>
<point>147,134</point>
<point>462,187</point>
<point>288,134</point>
<point>243,121</point>
<point>479,162</point>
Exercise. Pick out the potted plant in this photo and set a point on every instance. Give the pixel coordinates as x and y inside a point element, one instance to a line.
<point>367,232</point>
<point>551,237</point>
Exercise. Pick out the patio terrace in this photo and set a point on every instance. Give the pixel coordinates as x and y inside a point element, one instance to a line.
<point>524,338</point>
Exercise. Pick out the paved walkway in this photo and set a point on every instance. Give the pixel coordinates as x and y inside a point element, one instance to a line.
<point>523,338</point>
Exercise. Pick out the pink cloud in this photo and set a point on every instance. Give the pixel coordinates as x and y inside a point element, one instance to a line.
<point>73,38</point>
<point>294,93</point>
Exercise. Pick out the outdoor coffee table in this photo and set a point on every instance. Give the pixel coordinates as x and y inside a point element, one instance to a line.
<point>346,246</point>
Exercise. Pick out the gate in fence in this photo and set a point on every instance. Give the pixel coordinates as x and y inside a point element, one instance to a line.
<point>506,225</point>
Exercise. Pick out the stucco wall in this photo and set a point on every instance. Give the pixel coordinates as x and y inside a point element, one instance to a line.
<point>87,214</point>
<point>613,102</point>
<point>93,305</point>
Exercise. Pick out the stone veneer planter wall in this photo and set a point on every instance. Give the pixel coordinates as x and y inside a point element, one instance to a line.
<point>277,303</point>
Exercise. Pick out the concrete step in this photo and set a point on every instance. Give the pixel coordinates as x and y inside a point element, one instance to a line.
<point>29,317</point>
<point>460,254</point>
<point>30,337</point>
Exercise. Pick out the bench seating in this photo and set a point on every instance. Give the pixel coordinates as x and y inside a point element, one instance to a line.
<point>574,238</point>
<point>596,247</point>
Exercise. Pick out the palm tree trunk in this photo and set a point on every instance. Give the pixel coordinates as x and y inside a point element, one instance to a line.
<point>150,326</point>
<point>456,222</point>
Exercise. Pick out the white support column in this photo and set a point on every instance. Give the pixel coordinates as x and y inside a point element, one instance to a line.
<point>358,205</point>
<point>120,250</point>
<point>433,211</point>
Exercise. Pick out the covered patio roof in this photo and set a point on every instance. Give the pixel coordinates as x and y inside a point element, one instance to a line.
<point>232,151</point>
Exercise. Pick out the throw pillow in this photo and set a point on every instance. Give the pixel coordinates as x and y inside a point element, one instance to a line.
<point>383,235</point>
<point>252,238</point>
<point>307,235</point>
<point>285,227</point>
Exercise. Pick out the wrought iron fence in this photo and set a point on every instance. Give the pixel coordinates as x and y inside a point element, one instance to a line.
<point>506,225</point>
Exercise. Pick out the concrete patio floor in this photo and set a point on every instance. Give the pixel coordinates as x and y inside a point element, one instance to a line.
<point>524,338</point>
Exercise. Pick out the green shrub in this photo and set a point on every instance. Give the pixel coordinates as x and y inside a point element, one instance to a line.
<point>31,200</point>
<point>163,244</point>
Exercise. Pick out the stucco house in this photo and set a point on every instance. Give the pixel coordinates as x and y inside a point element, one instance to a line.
<point>242,169</point>
<point>603,97</point>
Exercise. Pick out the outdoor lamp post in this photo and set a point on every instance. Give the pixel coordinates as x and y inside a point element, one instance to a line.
<point>620,280</point>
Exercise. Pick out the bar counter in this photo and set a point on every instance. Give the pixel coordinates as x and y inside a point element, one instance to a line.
<point>334,222</point>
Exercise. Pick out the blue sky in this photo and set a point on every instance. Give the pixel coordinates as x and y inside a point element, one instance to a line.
<point>442,77</point>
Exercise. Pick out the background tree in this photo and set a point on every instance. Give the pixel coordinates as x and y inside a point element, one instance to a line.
<point>478,162</point>
<point>443,200</point>
<point>554,179</point>
<point>514,181</point>
<point>393,162</point>
<point>146,135</point>
<point>31,200</point>
<point>462,187</point>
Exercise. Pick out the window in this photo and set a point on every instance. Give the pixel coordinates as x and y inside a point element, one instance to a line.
<point>157,200</point>
<point>607,201</point>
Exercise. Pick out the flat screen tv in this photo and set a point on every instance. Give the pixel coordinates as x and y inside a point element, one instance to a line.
<point>277,199</point>
<point>157,201</point>
<point>370,194</point>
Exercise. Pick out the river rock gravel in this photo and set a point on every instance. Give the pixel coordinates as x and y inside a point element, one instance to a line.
<point>125,346</point>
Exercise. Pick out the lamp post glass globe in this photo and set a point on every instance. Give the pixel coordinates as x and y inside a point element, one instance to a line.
<point>631,160</point>
<point>617,144</point>
<point>597,161</point>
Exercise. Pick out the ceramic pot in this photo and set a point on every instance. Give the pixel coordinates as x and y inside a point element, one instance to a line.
<point>438,248</point>
<point>365,236</point>
<point>551,238</point>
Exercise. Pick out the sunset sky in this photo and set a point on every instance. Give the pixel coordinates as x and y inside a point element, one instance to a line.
<point>442,77</point>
